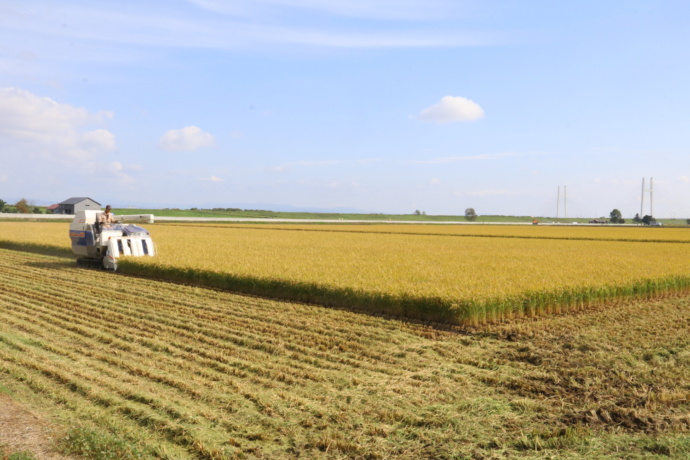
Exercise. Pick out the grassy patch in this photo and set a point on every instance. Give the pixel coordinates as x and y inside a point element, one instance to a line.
<point>23,455</point>
<point>97,444</point>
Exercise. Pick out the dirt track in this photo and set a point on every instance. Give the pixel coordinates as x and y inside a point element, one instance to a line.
<point>23,431</point>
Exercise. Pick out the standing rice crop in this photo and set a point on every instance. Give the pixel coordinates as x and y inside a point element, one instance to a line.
<point>432,273</point>
<point>435,277</point>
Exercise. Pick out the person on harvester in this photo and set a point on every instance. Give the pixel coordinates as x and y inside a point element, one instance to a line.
<point>106,219</point>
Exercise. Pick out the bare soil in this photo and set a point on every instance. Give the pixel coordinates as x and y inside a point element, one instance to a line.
<point>21,430</point>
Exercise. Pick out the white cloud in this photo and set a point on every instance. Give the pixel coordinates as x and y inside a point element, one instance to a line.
<point>212,179</point>
<point>452,109</point>
<point>435,181</point>
<point>40,127</point>
<point>98,140</point>
<point>186,139</point>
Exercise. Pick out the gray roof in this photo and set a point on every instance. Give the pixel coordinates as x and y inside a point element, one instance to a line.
<point>79,199</point>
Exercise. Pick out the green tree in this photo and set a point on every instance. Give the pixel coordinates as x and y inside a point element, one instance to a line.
<point>2,205</point>
<point>647,219</point>
<point>616,217</point>
<point>637,219</point>
<point>470,214</point>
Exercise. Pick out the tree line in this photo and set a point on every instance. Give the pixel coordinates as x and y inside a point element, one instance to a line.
<point>22,206</point>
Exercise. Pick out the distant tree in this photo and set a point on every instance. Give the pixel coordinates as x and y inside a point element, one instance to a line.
<point>417,212</point>
<point>616,217</point>
<point>637,219</point>
<point>647,219</point>
<point>36,210</point>
<point>23,206</point>
<point>470,214</point>
<point>687,221</point>
<point>2,205</point>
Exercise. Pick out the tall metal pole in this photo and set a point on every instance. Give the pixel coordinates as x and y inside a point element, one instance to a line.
<point>651,196</point>
<point>558,200</point>
<point>642,201</point>
<point>565,202</point>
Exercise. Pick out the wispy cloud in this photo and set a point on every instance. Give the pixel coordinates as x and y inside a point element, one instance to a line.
<point>186,139</point>
<point>372,9</point>
<point>367,161</point>
<point>239,24</point>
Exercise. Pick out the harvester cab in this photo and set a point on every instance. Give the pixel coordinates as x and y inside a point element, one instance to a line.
<point>99,246</point>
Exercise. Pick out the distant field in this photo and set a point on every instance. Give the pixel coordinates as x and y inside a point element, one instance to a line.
<point>349,216</point>
<point>321,216</point>
<point>446,274</point>
<point>313,216</point>
<point>131,368</point>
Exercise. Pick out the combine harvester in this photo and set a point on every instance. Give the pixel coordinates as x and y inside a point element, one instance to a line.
<point>100,246</point>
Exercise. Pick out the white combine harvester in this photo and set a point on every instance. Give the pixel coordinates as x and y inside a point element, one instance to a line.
<point>101,246</point>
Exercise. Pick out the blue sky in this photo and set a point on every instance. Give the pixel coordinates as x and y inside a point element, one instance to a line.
<point>377,106</point>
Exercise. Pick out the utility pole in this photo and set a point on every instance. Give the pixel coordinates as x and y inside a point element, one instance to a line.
<point>558,200</point>
<point>642,201</point>
<point>651,197</point>
<point>565,202</point>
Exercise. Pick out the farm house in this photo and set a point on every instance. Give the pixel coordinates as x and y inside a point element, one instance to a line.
<point>76,204</point>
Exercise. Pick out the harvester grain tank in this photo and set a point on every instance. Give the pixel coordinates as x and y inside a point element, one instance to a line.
<point>100,246</point>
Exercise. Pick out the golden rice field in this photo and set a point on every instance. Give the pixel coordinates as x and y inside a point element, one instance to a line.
<point>435,273</point>
<point>133,368</point>
<point>575,232</point>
